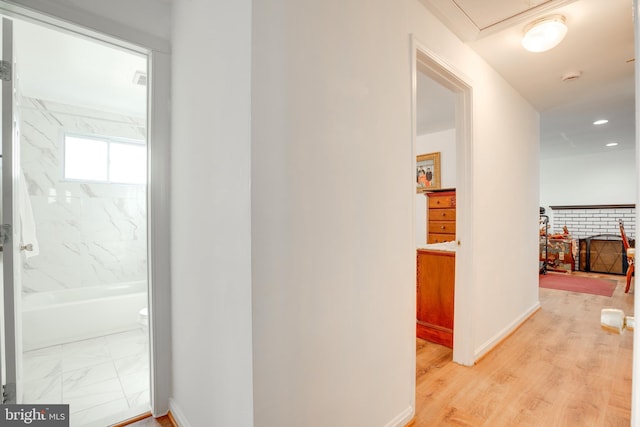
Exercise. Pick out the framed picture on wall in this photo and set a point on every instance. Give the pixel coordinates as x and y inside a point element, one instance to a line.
<point>427,172</point>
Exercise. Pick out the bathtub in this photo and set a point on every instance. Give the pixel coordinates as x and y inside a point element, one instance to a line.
<point>58,317</point>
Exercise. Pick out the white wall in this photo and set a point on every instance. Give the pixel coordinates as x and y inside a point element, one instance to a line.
<point>506,174</point>
<point>445,143</point>
<point>333,257</point>
<point>210,224</point>
<point>332,260</point>
<point>595,179</point>
<point>333,249</point>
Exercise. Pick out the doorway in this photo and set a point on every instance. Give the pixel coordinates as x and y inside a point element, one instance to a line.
<point>74,192</point>
<point>451,84</point>
<point>435,210</point>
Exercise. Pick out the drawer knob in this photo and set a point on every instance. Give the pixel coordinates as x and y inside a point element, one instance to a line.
<point>442,227</point>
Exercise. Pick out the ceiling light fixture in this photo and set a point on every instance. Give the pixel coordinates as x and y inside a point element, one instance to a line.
<point>601,122</point>
<point>611,144</point>
<point>544,34</point>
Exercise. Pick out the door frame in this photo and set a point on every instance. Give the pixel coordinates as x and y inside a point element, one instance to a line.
<point>11,338</point>
<point>448,76</point>
<point>158,158</point>
<point>635,380</point>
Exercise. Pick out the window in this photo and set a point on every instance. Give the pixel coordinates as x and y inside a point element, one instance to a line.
<point>88,158</point>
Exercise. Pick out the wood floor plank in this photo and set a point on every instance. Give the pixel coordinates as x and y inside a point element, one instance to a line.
<point>164,421</point>
<point>558,369</point>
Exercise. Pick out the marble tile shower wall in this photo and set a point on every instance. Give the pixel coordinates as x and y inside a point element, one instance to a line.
<point>89,233</point>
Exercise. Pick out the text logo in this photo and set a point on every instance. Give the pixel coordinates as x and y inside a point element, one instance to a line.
<point>34,415</point>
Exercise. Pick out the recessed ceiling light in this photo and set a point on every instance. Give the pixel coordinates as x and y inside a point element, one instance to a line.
<point>544,34</point>
<point>611,144</point>
<point>601,122</point>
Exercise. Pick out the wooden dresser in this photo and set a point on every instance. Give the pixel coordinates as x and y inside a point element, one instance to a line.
<point>435,296</point>
<point>441,216</point>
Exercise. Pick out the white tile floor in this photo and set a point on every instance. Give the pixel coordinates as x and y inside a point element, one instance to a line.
<point>98,377</point>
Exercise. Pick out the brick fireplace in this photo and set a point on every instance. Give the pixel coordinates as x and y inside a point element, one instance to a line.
<point>599,247</point>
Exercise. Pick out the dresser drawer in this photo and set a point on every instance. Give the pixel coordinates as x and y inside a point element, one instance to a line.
<point>442,227</point>
<point>440,238</point>
<point>437,201</point>
<point>442,215</point>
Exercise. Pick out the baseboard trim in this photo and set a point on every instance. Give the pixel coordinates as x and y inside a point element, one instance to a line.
<point>492,343</point>
<point>133,420</point>
<point>172,420</point>
<point>406,418</point>
<point>402,418</point>
<point>176,415</point>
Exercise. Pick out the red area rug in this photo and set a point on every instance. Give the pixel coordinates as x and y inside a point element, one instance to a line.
<point>585,285</point>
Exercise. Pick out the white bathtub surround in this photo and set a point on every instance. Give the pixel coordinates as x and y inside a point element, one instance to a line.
<point>89,233</point>
<point>101,377</point>
<point>64,316</point>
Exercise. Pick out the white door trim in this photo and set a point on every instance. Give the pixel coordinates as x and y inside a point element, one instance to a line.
<point>158,197</point>
<point>444,73</point>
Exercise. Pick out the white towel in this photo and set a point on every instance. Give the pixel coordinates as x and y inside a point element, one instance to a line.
<point>27,223</point>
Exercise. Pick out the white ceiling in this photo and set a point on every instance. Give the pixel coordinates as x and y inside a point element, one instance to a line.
<point>67,68</point>
<point>485,14</point>
<point>599,45</point>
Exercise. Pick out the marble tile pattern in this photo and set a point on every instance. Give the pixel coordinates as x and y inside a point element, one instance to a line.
<point>101,377</point>
<point>89,233</point>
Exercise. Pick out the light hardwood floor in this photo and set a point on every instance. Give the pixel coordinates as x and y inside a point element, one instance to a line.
<point>558,369</point>
<point>164,421</point>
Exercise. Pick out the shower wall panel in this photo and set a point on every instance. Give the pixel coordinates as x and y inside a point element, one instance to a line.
<point>89,233</point>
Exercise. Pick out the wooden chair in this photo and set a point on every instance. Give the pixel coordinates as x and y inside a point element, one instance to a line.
<point>631,255</point>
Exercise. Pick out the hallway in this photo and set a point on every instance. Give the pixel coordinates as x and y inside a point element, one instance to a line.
<point>558,369</point>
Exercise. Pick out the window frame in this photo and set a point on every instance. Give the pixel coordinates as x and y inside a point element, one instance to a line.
<point>109,140</point>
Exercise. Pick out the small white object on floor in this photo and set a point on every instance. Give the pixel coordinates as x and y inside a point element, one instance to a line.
<point>630,323</point>
<point>612,320</point>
